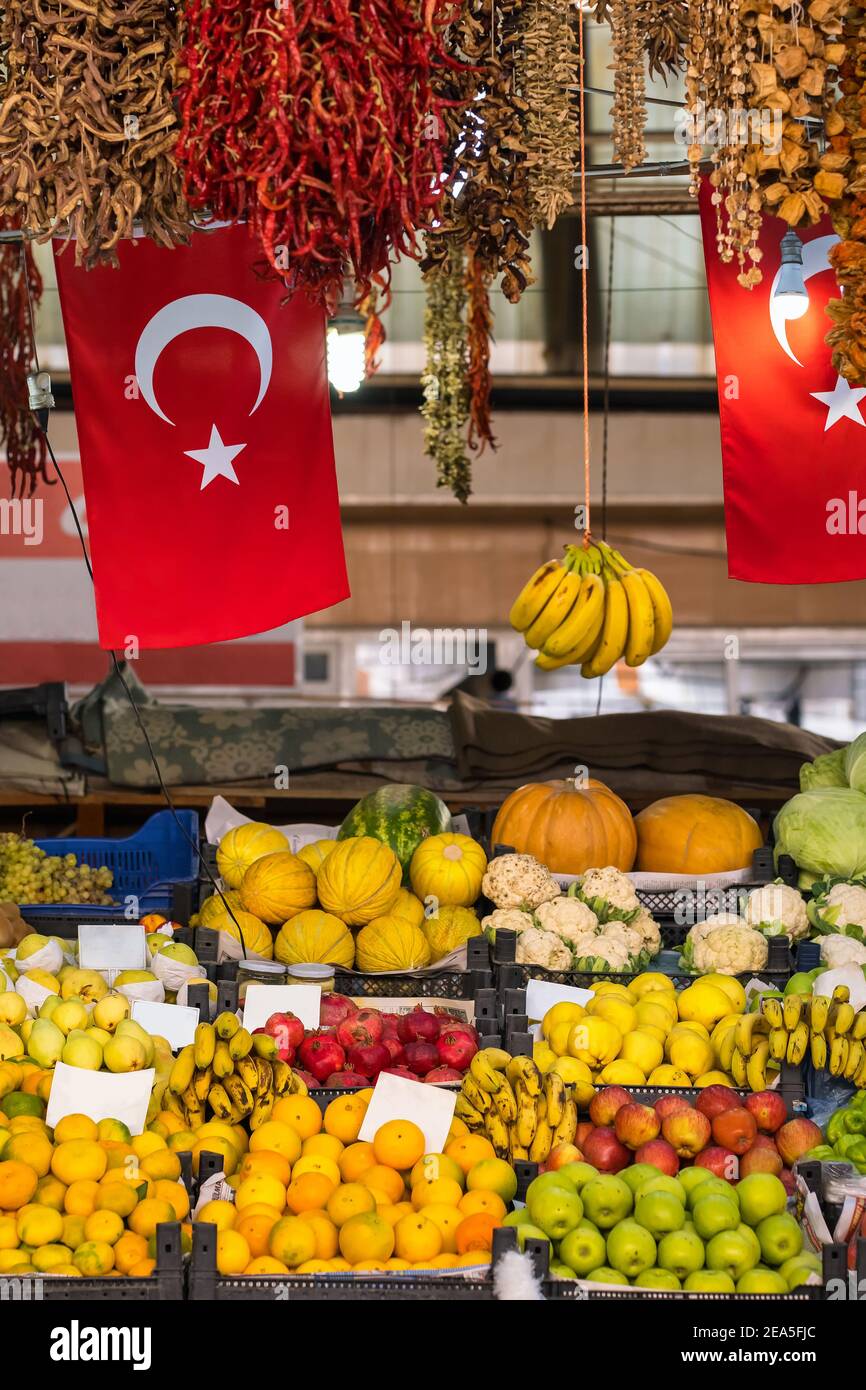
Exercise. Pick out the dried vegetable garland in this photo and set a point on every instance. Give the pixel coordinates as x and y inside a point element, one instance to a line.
<point>19,435</point>
<point>847,337</point>
<point>550,73</point>
<point>87,124</point>
<point>479,335</point>
<point>444,383</point>
<point>665,25</point>
<point>629,84</point>
<point>320,121</point>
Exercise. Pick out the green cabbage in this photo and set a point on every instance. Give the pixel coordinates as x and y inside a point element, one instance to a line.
<point>826,771</point>
<point>824,831</point>
<point>855,763</point>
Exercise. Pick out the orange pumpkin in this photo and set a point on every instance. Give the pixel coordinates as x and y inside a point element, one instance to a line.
<point>695,835</point>
<point>567,827</point>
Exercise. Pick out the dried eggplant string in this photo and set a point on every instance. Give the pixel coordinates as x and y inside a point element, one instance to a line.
<point>24,444</point>
<point>479,336</point>
<point>550,73</point>
<point>87,122</point>
<point>847,337</point>
<point>629,84</point>
<point>445,406</point>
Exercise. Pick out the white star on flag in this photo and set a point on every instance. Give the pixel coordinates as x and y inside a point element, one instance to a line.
<point>843,403</point>
<point>216,459</point>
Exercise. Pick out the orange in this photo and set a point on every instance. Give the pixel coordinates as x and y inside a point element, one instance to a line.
<point>494,1175</point>
<point>177,1197</point>
<point>74,1127</point>
<point>317,1163</point>
<point>324,1144</point>
<point>216,1144</point>
<point>78,1158</point>
<point>300,1113</point>
<point>469,1149</point>
<point>392,1211</point>
<point>266,1264</point>
<point>309,1192</point>
<point>368,1266</point>
<point>51,1192</point>
<point>279,1138</point>
<point>366,1237</point>
<point>169,1121</point>
<point>261,1187</point>
<point>33,1149</point>
<point>223,1215</point>
<point>394,1263</point>
<point>416,1237</point>
<point>255,1209</point>
<point>398,1144</point>
<point>73,1231</point>
<point>458,1128</point>
<point>120,1156</point>
<point>232,1253</point>
<point>433,1166</point>
<point>256,1231</point>
<point>344,1117</point>
<point>103,1225</point>
<point>94,1257</point>
<point>149,1214</point>
<point>447,1260</point>
<point>128,1251</point>
<point>146,1143</point>
<point>162,1165</point>
<point>447,1218</point>
<point>17,1185</point>
<point>39,1225</point>
<point>481,1200</point>
<point>293,1241</point>
<point>48,1257</point>
<point>442,1192</point>
<point>383,1199</point>
<point>325,1231</point>
<point>339,1265</point>
<point>349,1200</point>
<point>8,1233</point>
<point>142,1270</point>
<point>476,1232</point>
<point>266,1161</point>
<point>314,1267</point>
<point>354,1160</point>
<point>119,1197</point>
<point>474,1257</point>
<point>384,1178</point>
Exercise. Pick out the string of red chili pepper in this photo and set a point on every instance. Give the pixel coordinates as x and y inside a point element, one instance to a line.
<point>23,443</point>
<point>320,121</point>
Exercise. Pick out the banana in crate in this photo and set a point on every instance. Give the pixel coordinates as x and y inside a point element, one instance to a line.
<point>521,1112</point>
<point>230,1073</point>
<point>825,1028</point>
<point>592,608</point>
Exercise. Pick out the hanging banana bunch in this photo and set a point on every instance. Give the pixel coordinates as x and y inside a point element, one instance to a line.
<point>592,609</point>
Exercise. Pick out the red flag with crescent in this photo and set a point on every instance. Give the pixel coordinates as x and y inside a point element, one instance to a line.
<point>201,402</point>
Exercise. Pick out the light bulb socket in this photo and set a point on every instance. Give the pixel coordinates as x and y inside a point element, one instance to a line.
<point>791,281</point>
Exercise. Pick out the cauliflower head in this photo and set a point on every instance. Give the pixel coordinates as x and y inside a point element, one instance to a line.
<point>612,950</point>
<point>568,917</point>
<point>778,909</point>
<point>624,934</point>
<point>518,880</point>
<point>847,902</point>
<point>506,919</point>
<point>842,950</point>
<point>542,948</point>
<point>730,950</point>
<point>648,927</point>
<point>609,887</point>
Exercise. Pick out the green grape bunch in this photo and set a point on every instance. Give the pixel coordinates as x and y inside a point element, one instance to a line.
<point>29,875</point>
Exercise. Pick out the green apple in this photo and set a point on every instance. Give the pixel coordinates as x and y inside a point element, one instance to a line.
<point>797,1270</point>
<point>526,1231</point>
<point>660,1212</point>
<point>577,1174</point>
<point>657,1279</point>
<point>630,1248</point>
<point>761,1280</point>
<point>760,1195</point>
<point>561,1271</point>
<point>660,1182</point>
<point>710,1281</point>
<point>583,1249</point>
<point>732,1252</point>
<point>712,1184</point>
<point>605,1275</point>
<point>638,1173</point>
<point>544,1183</point>
<point>799,984</point>
<point>606,1200</point>
<point>519,1217</point>
<point>556,1210</point>
<point>715,1213</point>
<point>682,1252</point>
<point>780,1238</point>
<point>690,1178</point>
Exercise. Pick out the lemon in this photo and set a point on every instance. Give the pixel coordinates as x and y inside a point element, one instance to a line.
<point>642,1050</point>
<point>691,1053</point>
<point>620,1012</point>
<point>650,981</point>
<point>594,1041</point>
<point>668,1076</point>
<point>703,1003</point>
<point>543,1056</point>
<point>610,987</point>
<point>653,1014</point>
<point>731,987</point>
<point>713,1078</point>
<point>563,1012</point>
<point>620,1073</point>
<point>558,1038</point>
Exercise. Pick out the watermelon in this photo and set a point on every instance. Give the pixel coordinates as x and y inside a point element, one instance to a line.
<point>399,815</point>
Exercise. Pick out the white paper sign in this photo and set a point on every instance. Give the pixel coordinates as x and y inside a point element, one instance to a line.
<point>396,1098</point>
<point>113,946</point>
<point>541,995</point>
<point>222,817</point>
<point>261,1001</point>
<point>850,975</point>
<point>174,1022</point>
<point>103,1095</point>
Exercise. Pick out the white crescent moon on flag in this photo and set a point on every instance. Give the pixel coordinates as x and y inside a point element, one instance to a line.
<point>200,311</point>
<point>815,259</point>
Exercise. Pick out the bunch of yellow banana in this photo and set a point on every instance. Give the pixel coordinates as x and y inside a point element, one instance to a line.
<point>522,1113</point>
<point>826,1027</point>
<point>236,1075</point>
<point>592,608</point>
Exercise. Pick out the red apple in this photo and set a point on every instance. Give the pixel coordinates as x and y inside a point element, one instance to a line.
<point>636,1124</point>
<point>789,1182</point>
<point>418,1026</point>
<point>346,1081</point>
<point>715,1100</point>
<point>359,1029</point>
<point>687,1131</point>
<point>443,1074</point>
<point>334,1008</point>
<point>769,1110</point>
<point>796,1138</point>
<point>764,1141</point>
<point>719,1161</point>
<point>761,1158</point>
<point>287,1031</point>
<point>312,1082</point>
<point>671,1105</point>
<point>581,1134</point>
<point>661,1155</point>
<point>321,1055</point>
<point>456,1049</point>
<point>558,1157</point>
<point>370,1059</point>
<point>421,1057</point>
<point>395,1047</point>
<point>399,1071</point>
<point>604,1104</point>
<point>735,1129</point>
<point>604,1151</point>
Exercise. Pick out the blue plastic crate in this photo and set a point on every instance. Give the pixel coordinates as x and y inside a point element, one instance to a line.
<point>145,865</point>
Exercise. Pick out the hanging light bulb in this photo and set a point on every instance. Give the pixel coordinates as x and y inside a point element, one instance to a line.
<point>347,364</point>
<point>789,289</point>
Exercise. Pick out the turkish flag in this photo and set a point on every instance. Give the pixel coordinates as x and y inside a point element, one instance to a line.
<point>793,430</point>
<point>205,435</point>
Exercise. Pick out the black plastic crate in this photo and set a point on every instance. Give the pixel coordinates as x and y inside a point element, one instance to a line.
<point>166,1283</point>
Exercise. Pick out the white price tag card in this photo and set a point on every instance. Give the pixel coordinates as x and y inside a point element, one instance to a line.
<point>431,1108</point>
<point>112,946</point>
<point>174,1022</point>
<point>541,995</point>
<point>304,1001</point>
<point>103,1095</point>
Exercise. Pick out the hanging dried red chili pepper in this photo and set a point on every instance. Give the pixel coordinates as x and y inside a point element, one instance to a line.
<point>19,435</point>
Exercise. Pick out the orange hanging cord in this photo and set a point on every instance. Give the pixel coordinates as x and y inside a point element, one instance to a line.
<point>584,277</point>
